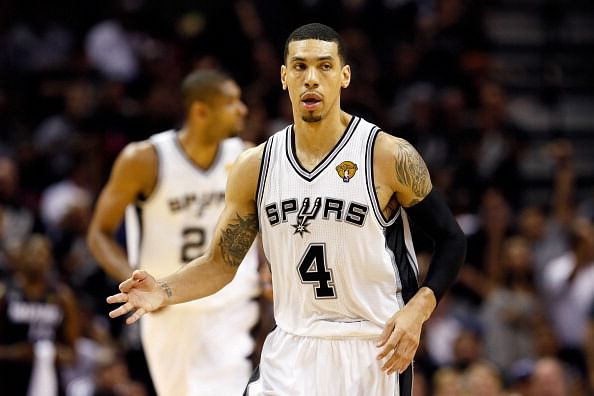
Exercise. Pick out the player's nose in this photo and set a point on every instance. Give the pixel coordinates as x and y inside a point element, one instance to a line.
<point>311,78</point>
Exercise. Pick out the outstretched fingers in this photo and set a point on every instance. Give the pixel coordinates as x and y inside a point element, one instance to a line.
<point>130,285</point>
<point>118,298</point>
<point>121,310</point>
<point>135,316</point>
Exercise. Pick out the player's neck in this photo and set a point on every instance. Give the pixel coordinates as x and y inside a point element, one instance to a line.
<point>200,148</point>
<point>314,140</point>
<point>320,137</point>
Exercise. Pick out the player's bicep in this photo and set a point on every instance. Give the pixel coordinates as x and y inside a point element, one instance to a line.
<point>412,176</point>
<point>237,227</point>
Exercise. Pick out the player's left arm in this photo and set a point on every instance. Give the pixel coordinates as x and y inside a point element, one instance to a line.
<point>410,181</point>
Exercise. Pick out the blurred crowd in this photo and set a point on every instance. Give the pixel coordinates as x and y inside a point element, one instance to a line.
<point>79,80</point>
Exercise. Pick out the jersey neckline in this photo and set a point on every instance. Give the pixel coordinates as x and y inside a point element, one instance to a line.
<point>184,154</point>
<point>319,168</point>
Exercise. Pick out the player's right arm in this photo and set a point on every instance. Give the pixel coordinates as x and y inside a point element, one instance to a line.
<point>234,234</point>
<point>134,173</point>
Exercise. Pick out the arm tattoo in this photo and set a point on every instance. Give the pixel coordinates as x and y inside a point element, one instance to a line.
<point>237,239</point>
<point>167,288</point>
<point>411,170</point>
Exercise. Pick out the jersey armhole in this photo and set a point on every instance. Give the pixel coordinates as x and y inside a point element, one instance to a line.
<point>264,165</point>
<point>371,183</point>
<point>159,157</point>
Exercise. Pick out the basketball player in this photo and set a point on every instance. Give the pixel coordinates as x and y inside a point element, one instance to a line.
<point>175,183</point>
<point>332,197</point>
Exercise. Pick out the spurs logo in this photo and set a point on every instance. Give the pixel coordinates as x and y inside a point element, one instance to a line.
<point>305,214</point>
<point>346,170</point>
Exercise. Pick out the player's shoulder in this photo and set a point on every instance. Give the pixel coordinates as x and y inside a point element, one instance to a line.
<point>389,142</point>
<point>243,179</point>
<point>141,152</point>
<point>389,146</point>
<point>251,158</point>
<point>136,165</point>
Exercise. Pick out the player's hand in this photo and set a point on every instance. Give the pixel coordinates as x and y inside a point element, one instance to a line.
<point>400,340</point>
<point>139,294</point>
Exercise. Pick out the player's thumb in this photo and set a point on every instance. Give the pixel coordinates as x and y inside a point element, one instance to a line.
<point>139,275</point>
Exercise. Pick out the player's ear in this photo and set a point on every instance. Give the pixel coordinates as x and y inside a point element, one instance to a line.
<point>346,76</point>
<point>198,109</point>
<point>283,73</point>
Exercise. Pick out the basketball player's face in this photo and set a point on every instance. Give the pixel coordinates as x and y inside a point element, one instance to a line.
<point>228,111</point>
<point>314,75</point>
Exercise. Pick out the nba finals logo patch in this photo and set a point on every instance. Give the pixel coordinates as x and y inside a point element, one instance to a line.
<point>346,170</point>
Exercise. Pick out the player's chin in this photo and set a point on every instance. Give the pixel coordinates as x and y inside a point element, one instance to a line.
<point>311,117</point>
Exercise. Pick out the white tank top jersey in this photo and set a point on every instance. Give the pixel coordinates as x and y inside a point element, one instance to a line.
<point>339,268</point>
<point>175,224</point>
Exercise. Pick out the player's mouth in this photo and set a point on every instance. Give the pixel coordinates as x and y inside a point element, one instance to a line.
<point>311,101</point>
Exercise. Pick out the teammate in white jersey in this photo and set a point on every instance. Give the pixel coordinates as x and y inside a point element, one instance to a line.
<point>173,186</point>
<point>331,196</point>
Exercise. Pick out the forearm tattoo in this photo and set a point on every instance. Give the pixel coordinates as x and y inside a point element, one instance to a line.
<point>237,239</point>
<point>411,170</point>
<point>166,288</point>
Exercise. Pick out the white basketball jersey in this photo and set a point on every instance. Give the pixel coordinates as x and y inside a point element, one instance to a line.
<point>339,268</point>
<point>176,223</point>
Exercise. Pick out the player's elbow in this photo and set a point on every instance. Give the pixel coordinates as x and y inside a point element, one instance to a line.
<point>93,239</point>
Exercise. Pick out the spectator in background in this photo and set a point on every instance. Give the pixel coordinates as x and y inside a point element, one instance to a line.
<point>66,203</point>
<point>512,307</point>
<point>17,221</point>
<point>447,381</point>
<point>483,379</point>
<point>547,233</point>
<point>569,293</point>
<point>549,378</point>
<point>113,379</point>
<point>39,42</point>
<point>56,135</point>
<point>441,332</point>
<point>468,347</point>
<point>112,46</point>
<point>39,323</point>
<point>520,377</point>
<point>484,246</point>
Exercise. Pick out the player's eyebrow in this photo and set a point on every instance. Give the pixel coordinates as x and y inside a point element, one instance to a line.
<point>319,58</point>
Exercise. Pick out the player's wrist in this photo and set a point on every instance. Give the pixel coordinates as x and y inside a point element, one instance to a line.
<point>424,302</point>
<point>166,292</point>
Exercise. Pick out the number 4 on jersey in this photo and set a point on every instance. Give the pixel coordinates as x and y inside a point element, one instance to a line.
<point>312,269</point>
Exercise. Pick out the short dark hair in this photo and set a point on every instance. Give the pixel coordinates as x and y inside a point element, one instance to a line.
<point>202,86</point>
<point>316,31</point>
